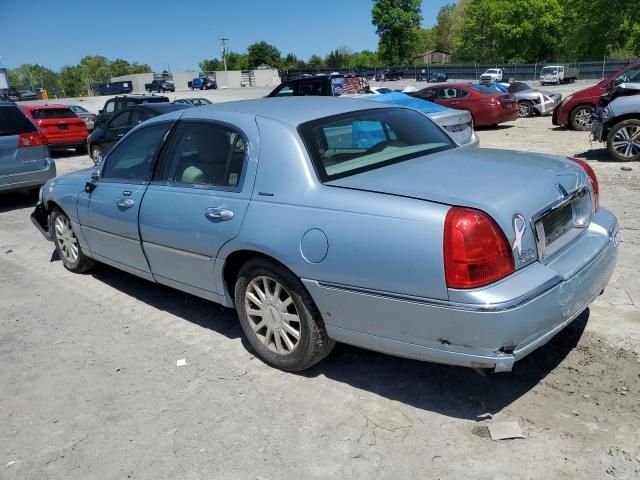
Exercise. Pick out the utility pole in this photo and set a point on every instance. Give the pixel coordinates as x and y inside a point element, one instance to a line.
<point>224,52</point>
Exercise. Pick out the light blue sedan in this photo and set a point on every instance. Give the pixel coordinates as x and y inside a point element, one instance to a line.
<point>328,219</point>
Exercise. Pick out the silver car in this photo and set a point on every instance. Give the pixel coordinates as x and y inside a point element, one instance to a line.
<point>87,117</point>
<point>330,219</point>
<point>25,161</point>
<point>532,101</point>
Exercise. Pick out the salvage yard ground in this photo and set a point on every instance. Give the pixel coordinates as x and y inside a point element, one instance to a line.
<point>90,387</point>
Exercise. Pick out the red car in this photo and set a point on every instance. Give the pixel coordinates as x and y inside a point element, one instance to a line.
<point>61,127</point>
<point>486,105</point>
<point>575,110</point>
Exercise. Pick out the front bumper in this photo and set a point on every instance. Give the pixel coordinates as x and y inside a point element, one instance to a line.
<point>484,334</point>
<point>40,218</point>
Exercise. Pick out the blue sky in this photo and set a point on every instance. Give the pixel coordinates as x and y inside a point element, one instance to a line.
<point>179,34</point>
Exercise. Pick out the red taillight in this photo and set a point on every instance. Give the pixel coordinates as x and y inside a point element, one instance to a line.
<point>31,139</point>
<point>476,252</point>
<point>592,176</point>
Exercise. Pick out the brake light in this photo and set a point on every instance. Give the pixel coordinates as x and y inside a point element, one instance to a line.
<point>31,139</point>
<point>476,251</point>
<point>592,177</point>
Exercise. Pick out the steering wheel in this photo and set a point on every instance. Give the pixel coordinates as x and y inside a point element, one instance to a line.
<point>378,147</point>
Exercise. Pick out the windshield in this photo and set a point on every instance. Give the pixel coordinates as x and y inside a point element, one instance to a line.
<point>53,113</point>
<point>518,87</point>
<point>549,70</point>
<point>491,71</point>
<point>78,109</point>
<point>356,142</point>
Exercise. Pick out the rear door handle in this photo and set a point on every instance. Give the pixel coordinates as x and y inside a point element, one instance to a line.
<point>220,214</point>
<point>125,203</point>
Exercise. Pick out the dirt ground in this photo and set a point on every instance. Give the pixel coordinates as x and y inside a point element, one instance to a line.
<point>90,388</point>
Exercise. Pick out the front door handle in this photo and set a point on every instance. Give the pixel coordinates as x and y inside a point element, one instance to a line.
<point>221,214</point>
<point>125,203</point>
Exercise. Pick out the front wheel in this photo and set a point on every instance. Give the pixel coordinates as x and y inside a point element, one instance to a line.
<point>580,118</point>
<point>525,108</point>
<point>279,317</point>
<point>67,244</point>
<point>623,141</point>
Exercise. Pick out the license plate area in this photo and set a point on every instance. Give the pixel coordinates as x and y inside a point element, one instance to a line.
<point>560,224</point>
<point>63,126</point>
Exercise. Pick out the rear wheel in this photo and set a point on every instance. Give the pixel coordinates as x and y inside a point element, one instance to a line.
<point>525,108</point>
<point>580,118</point>
<point>279,317</point>
<point>67,244</point>
<point>623,141</point>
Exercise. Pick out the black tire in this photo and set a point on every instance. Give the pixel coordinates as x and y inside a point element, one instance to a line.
<point>82,263</point>
<point>630,127</point>
<point>525,109</point>
<point>80,149</point>
<point>576,118</point>
<point>96,153</point>
<point>314,344</point>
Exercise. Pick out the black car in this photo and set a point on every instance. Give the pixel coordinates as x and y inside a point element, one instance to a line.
<point>115,104</point>
<point>104,137</point>
<point>196,102</point>
<point>332,85</point>
<point>160,86</point>
<point>16,95</point>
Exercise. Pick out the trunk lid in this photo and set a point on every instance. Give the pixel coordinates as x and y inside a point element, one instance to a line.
<point>502,183</point>
<point>60,125</point>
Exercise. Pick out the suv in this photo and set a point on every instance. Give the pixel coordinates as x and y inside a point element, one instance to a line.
<point>322,86</point>
<point>491,76</point>
<point>201,83</point>
<point>26,161</point>
<point>575,111</point>
<point>116,104</point>
<point>160,86</point>
<point>61,127</point>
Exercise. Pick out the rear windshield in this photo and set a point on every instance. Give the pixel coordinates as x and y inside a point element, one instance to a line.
<point>14,122</point>
<point>47,113</point>
<point>518,87</point>
<point>355,142</point>
<point>483,89</point>
<point>154,100</point>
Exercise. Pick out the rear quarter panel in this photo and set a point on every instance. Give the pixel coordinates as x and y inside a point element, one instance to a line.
<point>374,241</point>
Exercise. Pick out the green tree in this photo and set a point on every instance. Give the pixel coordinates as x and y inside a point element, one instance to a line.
<point>139,68</point>
<point>291,62</point>
<point>316,61</point>
<point>95,68</point>
<point>443,31</point>
<point>263,52</point>
<point>365,59</point>
<point>426,40</point>
<point>72,83</point>
<point>119,67</point>
<point>211,65</point>
<point>397,25</point>
<point>339,58</point>
<point>237,61</point>
<point>33,76</point>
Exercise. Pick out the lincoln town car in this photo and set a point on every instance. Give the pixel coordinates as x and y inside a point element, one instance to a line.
<point>323,220</point>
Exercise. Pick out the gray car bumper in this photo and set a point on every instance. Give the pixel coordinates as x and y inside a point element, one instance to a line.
<point>488,335</point>
<point>25,180</point>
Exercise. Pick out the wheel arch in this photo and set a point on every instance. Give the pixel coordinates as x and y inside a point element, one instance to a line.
<point>624,117</point>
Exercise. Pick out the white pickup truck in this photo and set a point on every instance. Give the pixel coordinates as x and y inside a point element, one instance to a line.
<point>491,76</point>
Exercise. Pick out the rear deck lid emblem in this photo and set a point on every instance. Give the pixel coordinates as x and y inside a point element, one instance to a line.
<point>519,227</point>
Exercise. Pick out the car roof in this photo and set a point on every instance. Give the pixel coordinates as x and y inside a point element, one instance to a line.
<point>159,107</point>
<point>48,106</point>
<point>292,110</point>
<point>137,97</point>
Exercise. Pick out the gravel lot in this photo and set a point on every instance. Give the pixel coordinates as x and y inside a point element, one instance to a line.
<point>90,386</point>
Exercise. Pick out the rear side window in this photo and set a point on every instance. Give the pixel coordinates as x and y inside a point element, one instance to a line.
<point>49,113</point>
<point>14,122</point>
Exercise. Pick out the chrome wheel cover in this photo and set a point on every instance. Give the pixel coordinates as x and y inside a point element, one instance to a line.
<point>583,117</point>
<point>96,154</point>
<point>626,141</point>
<point>272,315</point>
<point>67,241</point>
<point>524,109</point>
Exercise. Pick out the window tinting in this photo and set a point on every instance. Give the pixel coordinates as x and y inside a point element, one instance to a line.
<point>14,122</point>
<point>205,154</point>
<point>120,120</point>
<point>285,91</point>
<point>139,116</point>
<point>132,159</point>
<point>483,89</point>
<point>49,113</point>
<point>354,142</point>
<point>516,87</point>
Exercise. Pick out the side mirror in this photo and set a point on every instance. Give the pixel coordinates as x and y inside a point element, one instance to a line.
<point>89,187</point>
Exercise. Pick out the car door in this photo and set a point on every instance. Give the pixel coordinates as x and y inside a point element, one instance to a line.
<point>115,129</point>
<point>110,220</point>
<point>196,204</point>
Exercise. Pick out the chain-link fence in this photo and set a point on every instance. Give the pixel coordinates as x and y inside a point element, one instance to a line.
<point>471,71</point>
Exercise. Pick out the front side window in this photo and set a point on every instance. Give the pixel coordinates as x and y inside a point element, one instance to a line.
<point>355,142</point>
<point>285,91</point>
<point>132,159</point>
<point>120,120</point>
<point>139,116</point>
<point>205,154</point>
<point>631,75</point>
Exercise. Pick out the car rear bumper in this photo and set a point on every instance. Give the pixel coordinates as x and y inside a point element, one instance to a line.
<point>19,181</point>
<point>497,115</point>
<point>480,335</point>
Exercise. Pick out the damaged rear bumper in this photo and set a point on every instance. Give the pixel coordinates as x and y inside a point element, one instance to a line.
<point>480,335</point>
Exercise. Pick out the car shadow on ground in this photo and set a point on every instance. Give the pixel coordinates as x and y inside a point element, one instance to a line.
<point>452,391</point>
<point>499,127</point>
<point>599,154</point>
<point>17,200</point>
<point>66,153</point>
